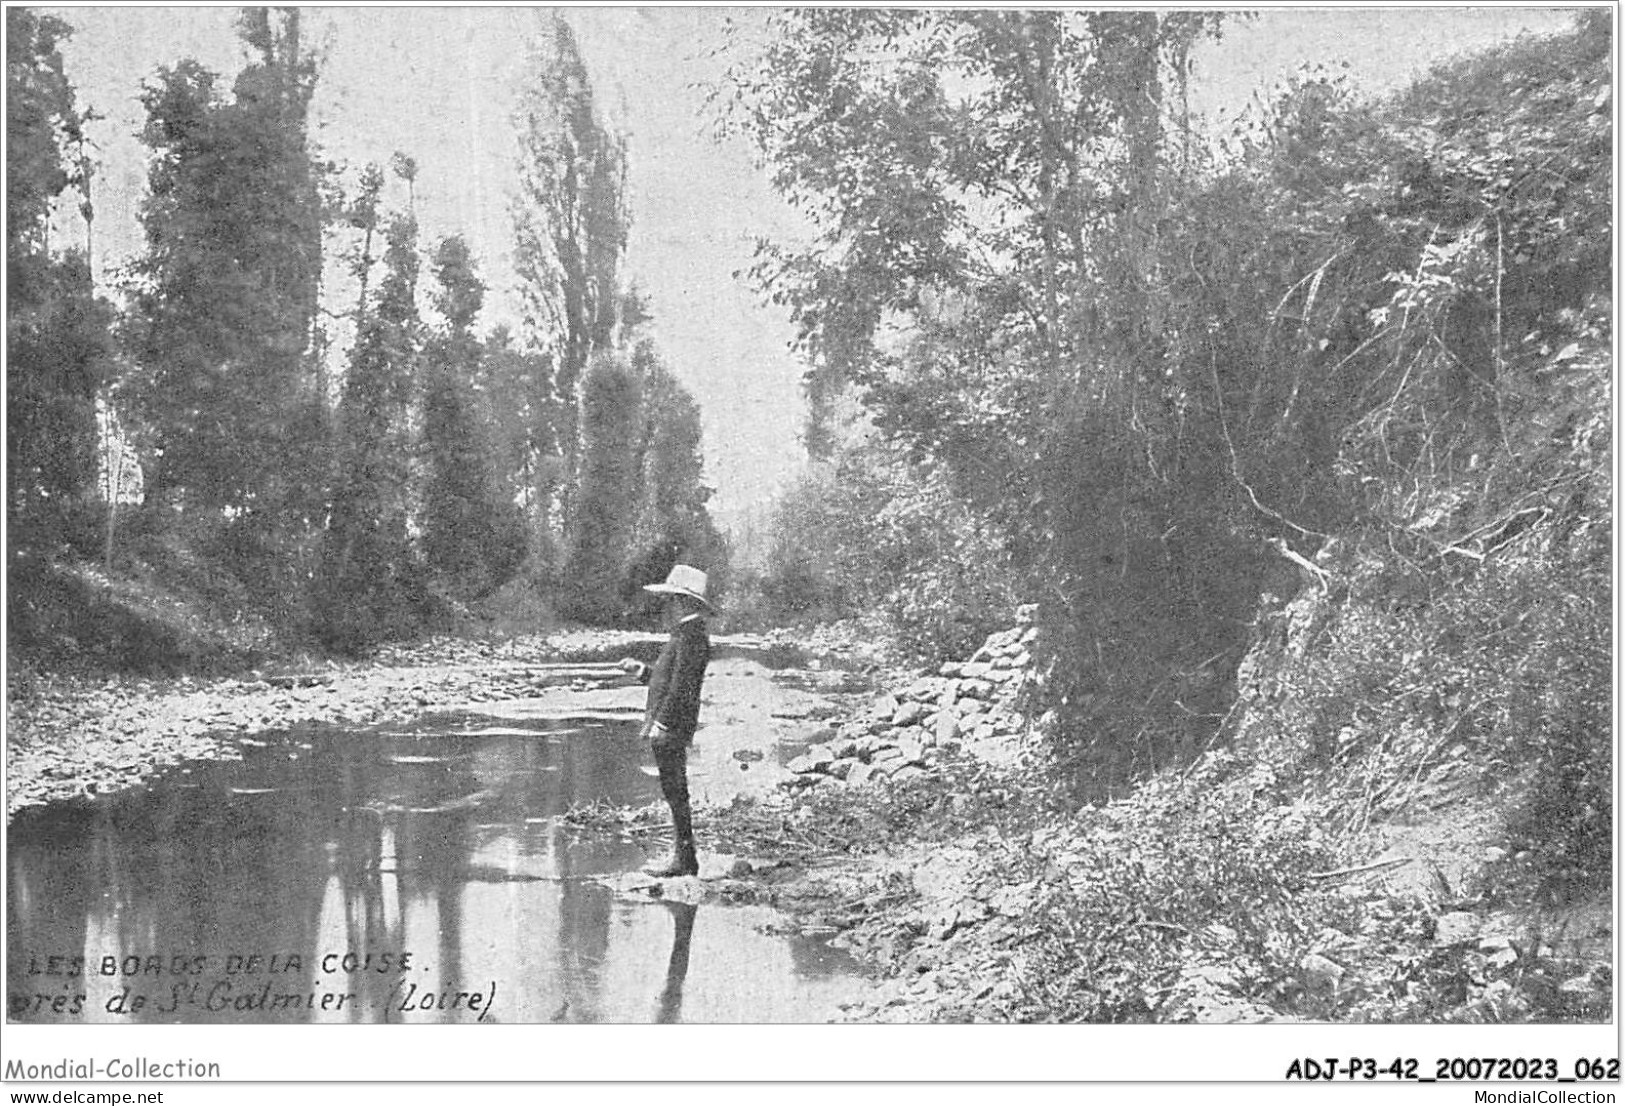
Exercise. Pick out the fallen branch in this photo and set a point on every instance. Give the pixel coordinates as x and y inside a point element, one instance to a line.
<point>1357,869</point>
<point>1163,925</point>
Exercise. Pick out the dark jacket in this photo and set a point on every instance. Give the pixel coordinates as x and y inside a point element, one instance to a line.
<point>674,681</point>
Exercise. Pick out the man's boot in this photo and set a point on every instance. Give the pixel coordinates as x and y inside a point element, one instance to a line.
<point>684,861</point>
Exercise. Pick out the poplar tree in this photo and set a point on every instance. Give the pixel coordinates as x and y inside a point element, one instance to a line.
<point>570,227</point>
<point>601,519</point>
<point>670,523</point>
<point>224,313</point>
<point>371,584</point>
<point>57,332</point>
<point>473,538</point>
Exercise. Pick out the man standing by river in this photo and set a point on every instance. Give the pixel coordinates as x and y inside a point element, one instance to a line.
<point>673,710</point>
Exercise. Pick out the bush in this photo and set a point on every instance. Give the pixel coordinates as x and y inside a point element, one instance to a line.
<point>876,533</point>
<point>1190,892</point>
<point>1502,665</point>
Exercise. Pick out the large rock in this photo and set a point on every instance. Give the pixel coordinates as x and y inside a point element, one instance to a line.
<point>861,773</point>
<point>851,732</point>
<point>924,690</point>
<point>947,728</point>
<point>1320,974</point>
<point>975,689</point>
<point>910,713</point>
<point>976,670</point>
<point>1006,723</point>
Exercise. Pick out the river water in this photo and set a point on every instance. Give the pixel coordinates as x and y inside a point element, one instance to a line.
<point>415,874</point>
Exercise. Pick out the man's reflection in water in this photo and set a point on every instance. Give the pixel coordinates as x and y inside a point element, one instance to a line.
<point>671,998</point>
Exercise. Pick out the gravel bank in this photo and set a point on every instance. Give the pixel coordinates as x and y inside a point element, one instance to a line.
<point>68,735</point>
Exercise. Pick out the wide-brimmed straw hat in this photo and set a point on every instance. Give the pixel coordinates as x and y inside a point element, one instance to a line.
<point>682,580</point>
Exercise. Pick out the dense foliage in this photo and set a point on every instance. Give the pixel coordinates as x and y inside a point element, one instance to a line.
<point>223,324</point>
<point>372,582</point>
<point>1303,444</point>
<point>474,537</point>
<point>58,349</point>
<point>361,492</point>
<point>570,230</point>
<point>1142,361</point>
<point>870,533</point>
<point>639,506</point>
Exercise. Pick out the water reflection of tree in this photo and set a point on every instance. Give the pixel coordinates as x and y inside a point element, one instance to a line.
<point>432,826</point>
<point>368,870</point>
<point>48,900</point>
<point>245,866</point>
<point>330,849</point>
<point>183,869</point>
<point>584,911</point>
<point>442,845</point>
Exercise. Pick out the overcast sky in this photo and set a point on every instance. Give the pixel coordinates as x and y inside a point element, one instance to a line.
<point>437,83</point>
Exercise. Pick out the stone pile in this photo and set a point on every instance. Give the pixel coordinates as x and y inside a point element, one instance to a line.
<point>904,732</point>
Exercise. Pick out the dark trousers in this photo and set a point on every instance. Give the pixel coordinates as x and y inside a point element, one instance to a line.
<point>671,758</point>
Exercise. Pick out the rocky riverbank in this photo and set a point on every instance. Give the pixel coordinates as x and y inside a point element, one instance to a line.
<point>903,734</point>
<point>69,735</point>
<point>910,817</point>
<point>924,834</point>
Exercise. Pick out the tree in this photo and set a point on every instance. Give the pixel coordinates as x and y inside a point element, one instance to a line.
<point>57,331</point>
<point>363,215</point>
<point>641,505</point>
<point>526,416</point>
<point>981,177</point>
<point>225,306</point>
<point>670,522</point>
<point>570,228</point>
<point>601,516</point>
<point>473,537</point>
<point>872,533</point>
<point>1142,361</point>
<point>371,584</point>
<point>988,275</point>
